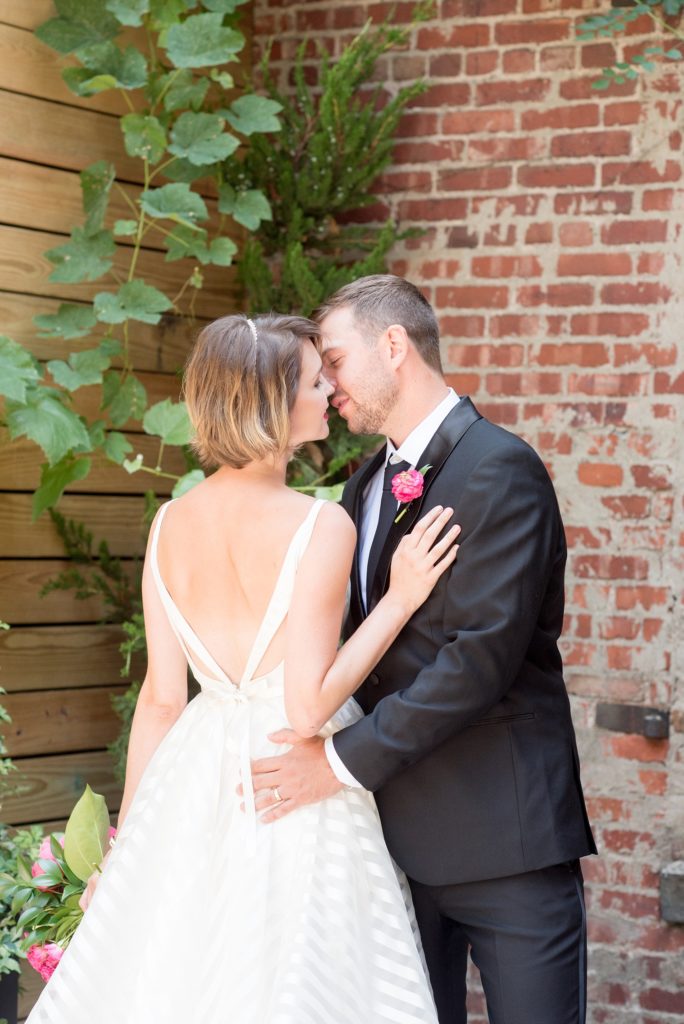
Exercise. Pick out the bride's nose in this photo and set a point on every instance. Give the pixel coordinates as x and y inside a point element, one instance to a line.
<point>329,388</point>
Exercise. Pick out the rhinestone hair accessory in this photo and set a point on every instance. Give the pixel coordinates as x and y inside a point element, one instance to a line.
<point>252,327</point>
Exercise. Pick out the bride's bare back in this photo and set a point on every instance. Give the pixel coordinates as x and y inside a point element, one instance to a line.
<point>220,554</point>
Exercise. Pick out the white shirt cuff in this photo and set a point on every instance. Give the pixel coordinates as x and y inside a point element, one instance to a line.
<point>339,770</point>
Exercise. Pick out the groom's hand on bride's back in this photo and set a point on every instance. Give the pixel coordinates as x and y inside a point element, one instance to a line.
<point>300,776</point>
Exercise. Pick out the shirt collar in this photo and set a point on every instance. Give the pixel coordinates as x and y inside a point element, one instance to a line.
<point>419,438</point>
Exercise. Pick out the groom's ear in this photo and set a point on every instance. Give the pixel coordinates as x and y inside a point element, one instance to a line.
<point>398,344</point>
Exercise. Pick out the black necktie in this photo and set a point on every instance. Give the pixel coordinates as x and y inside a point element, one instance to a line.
<point>388,513</point>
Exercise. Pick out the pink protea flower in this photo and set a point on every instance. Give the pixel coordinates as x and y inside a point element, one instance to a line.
<point>44,959</point>
<point>408,486</point>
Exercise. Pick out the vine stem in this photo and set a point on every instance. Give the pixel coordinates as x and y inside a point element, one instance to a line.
<point>668,28</point>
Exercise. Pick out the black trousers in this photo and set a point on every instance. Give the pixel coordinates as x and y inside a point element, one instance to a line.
<point>527,936</point>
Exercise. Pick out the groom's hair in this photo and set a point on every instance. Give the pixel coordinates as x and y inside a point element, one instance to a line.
<point>380,300</point>
<point>240,384</point>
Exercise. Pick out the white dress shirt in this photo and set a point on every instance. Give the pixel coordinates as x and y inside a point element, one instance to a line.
<point>409,451</point>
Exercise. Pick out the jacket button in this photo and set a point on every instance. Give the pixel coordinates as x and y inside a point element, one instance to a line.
<point>374,679</point>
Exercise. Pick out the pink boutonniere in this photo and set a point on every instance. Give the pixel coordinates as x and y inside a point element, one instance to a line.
<point>408,486</point>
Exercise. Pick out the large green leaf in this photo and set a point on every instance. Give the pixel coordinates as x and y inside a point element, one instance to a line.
<point>53,480</point>
<point>79,24</point>
<point>18,369</point>
<point>168,420</point>
<point>248,208</point>
<point>186,241</point>
<point>249,114</point>
<point>176,201</point>
<point>83,368</point>
<point>200,138</point>
<point>45,420</point>
<point>96,182</point>
<point>84,257</point>
<point>70,321</point>
<point>124,398</point>
<point>134,300</point>
<point>117,446</point>
<point>164,13</point>
<point>221,252</point>
<point>201,40</point>
<point>224,6</point>
<point>86,835</point>
<point>144,136</point>
<point>128,12</point>
<point>107,67</point>
<point>187,482</point>
<point>184,91</point>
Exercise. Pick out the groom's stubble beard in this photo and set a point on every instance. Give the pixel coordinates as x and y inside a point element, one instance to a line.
<point>373,401</point>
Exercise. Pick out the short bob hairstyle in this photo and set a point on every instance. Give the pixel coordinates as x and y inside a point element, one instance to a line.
<point>240,386</point>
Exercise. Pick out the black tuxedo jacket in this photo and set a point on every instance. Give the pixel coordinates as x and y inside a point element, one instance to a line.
<point>468,742</point>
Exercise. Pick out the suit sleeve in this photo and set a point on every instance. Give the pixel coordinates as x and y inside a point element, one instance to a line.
<point>511,537</point>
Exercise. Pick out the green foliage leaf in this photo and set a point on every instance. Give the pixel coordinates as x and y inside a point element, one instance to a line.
<point>54,479</point>
<point>79,24</point>
<point>249,114</point>
<point>85,835</point>
<point>184,91</point>
<point>96,182</point>
<point>221,252</point>
<point>168,420</point>
<point>133,465</point>
<point>176,202</point>
<point>117,446</point>
<point>200,138</point>
<point>128,12</point>
<point>134,300</point>
<point>124,398</point>
<point>107,67</point>
<point>125,227</point>
<point>164,13</point>
<point>248,207</point>
<point>144,136</point>
<point>224,6</point>
<point>187,482</point>
<point>84,258</point>
<point>18,369</point>
<point>45,420</point>
<point>82,368</point>
<point>202,40</point>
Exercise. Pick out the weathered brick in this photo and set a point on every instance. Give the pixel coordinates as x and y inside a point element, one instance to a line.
<point>599,264</point>
<point>582,144</point>
<point>532,90</point>
<point>557,176</point>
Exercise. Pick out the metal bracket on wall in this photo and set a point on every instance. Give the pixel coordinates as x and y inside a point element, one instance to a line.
<point>672,892</point>
<point>650,722</point>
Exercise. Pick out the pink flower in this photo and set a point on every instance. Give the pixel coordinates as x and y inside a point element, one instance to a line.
<point>408,485</point>
<point>45,853</point>
<point>45,958</point>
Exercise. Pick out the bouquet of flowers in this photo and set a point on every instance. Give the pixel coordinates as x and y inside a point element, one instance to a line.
<point>46,894</point>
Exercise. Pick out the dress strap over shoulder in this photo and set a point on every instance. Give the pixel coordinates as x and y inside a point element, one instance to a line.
<point>187,637</point>
<point>280,599</point>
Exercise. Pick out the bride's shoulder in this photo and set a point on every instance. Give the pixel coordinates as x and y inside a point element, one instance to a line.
<point>334,517</point>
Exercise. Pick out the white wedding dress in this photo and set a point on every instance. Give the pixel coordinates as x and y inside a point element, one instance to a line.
<point>205,915</point>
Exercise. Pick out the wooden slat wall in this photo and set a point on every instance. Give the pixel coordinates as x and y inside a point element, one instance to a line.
<point>58,663</point>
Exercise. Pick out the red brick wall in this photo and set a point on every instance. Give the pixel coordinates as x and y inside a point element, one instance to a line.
<point>553,254</point>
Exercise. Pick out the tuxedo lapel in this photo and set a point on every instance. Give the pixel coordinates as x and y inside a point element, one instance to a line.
<point>443,442</point>
<point>353,503</point>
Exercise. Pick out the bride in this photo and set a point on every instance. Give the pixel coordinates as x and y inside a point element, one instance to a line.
<point>204,914</point>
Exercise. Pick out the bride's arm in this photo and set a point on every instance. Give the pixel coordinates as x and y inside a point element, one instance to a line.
<point>318,677</point>
<point>164,692</point>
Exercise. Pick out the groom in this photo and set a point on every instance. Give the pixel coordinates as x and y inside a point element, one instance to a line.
<point>467,742</point>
